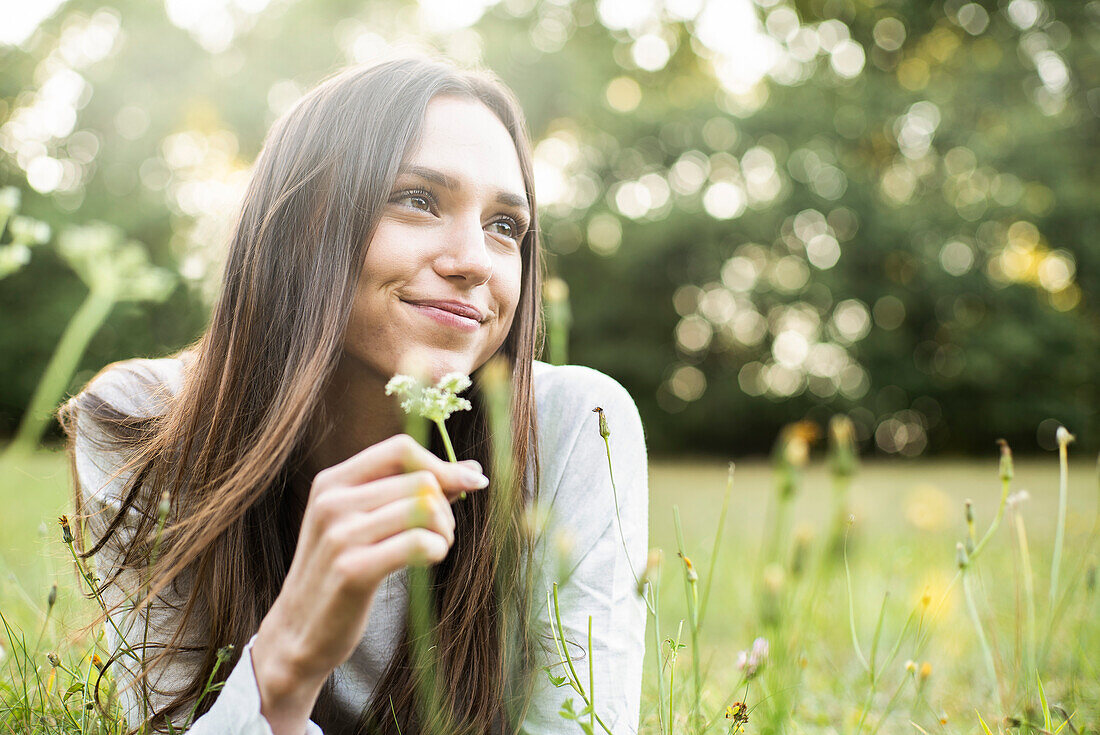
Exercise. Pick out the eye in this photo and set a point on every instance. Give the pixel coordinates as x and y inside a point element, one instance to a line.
<point>506,227</point>
<point>420,199</point>
<point>509,227</point>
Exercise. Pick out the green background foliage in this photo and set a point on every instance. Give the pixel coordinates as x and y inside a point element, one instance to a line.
<point>893,221</point>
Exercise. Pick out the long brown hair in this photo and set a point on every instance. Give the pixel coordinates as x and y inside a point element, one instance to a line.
<point>230,445</point>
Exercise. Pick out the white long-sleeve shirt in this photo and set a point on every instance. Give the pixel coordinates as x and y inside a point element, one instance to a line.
<point>575,485</point>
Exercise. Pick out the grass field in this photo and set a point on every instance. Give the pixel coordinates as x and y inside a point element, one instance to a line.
<point>907,518</point>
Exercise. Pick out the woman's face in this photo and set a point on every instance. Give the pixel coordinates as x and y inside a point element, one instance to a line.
<point>451,232</point>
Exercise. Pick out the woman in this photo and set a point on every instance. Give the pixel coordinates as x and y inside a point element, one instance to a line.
<point>259,486</point>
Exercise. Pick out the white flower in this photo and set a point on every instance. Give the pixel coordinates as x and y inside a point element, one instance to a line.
<point>453,383</point>
<point>436,403</point>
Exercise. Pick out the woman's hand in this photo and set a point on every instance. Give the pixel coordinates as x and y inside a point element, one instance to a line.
<point>383,509</point>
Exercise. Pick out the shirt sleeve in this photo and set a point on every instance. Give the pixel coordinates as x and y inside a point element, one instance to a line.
<point>237,708</point>
<point>595,562</point>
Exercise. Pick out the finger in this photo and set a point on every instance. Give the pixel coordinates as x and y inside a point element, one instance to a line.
<point>364,529</point>
<point>396,455</point>
<point>416,546</point>
<point>334,503</point>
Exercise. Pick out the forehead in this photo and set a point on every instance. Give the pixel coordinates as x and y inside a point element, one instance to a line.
<point>466,140</point>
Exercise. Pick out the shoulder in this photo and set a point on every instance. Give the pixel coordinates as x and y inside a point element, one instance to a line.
<point>566,398</point>
<point>137,388</point>
<point>564,389</point>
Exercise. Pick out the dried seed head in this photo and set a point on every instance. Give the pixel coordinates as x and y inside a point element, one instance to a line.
<point>692,575</point>
<point>969,511</point>
<point>1063,437</point>
<point>51,599</point>
<point>55,660</point>
<point>961,557</point>
<point>604,431</point>
<point>66,531</point>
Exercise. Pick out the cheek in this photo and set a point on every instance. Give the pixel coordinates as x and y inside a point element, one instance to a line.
<point>509,289</point>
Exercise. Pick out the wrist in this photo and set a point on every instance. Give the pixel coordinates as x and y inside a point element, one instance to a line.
<point>287,689</point>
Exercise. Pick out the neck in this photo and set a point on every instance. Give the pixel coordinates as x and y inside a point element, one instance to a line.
<point>360,414</point>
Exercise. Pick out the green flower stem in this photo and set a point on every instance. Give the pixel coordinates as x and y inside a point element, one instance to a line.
<point>619,520</point>
<point>986,651</point>
<point>1063,489</point>
<point>450,449</point>
<point>591,678</point>
<point>1029,589</point>
<point>84,324</point>
<point>690,587</point>
<point>574,679</point>
<point>655,590</point>
<point>717,544</point>
<point>995,524</point>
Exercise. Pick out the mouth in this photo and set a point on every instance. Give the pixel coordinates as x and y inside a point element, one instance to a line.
<point>448,315</point>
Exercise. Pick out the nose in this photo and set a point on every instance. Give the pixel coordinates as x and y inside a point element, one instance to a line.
<point>465,256</point>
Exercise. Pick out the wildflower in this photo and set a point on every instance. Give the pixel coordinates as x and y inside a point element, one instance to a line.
<point>842,446</point>
<point>66,531</point>
<point>604,431</point>
<point>1006,461</point>
<point>925,671</point>
<point>1017,497</point>
<point>739,713</point>
<point>97,661</point>
<point>165,504</point>
<point>435,403</point>
<point>692,575</point>
<point>792,452</point>
<point>55,660</point>
<point>652,564</point>
<point>926,599</point>
<point>911,667</point>
<point>750,661</point>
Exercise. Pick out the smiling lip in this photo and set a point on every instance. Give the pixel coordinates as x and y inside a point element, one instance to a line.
<point>450,313</point>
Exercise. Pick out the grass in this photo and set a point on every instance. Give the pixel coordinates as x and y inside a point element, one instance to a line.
<point>899,649</point>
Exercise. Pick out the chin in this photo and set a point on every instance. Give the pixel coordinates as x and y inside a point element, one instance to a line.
<point>434,364</point>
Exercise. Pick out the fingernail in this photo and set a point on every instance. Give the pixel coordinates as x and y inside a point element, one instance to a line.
<point>473,464</point>
<point>473,479</point>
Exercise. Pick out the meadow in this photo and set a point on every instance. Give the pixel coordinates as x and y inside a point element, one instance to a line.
<point>951,650</point>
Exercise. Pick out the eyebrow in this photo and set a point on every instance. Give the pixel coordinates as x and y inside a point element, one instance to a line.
<point>507,198</point>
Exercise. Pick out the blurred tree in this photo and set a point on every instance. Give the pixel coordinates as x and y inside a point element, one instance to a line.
<point>763,211</point>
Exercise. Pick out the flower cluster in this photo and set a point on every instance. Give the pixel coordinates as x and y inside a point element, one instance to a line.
<point>750,661</point>
<point>435,403</point>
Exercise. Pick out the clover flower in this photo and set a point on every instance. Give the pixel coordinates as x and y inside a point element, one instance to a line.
<point>750,661</point>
